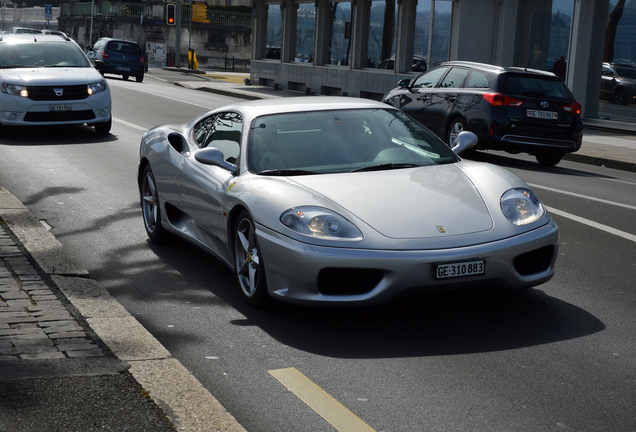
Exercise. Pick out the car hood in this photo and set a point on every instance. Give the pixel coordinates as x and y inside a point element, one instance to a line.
<point>50,76</point>
<point>408,203</point>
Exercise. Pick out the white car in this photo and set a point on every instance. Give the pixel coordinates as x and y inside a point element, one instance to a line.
<point>46,79</point>
<point>330,200</point>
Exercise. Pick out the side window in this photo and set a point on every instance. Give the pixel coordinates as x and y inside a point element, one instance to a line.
<point>222,131</point>
<point>477,80</point>
<point>428,80</point>
<point>607,72</point>
<point>455,78</point>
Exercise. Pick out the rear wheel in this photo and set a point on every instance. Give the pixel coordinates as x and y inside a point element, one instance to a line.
<point>457,125</point>
<point>549,159</point>
<point>620,96</point>
<point>125,77</point>
<point>248,263</point>
<point>151,209</point>
<point>139,78</point>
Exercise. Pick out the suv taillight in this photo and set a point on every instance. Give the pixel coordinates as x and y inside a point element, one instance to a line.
<point>572,108</point>
<point>105,55</point>
<point>498,99</point>
<point>141,59</point>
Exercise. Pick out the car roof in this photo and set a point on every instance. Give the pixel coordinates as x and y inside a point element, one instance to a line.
<point>119,40</point>
<point>34,37</point>
<point>257,108</point>
<point>497,69</point>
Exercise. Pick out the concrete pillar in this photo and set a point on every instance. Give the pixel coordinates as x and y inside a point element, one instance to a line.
<point>259,29</point>
<point>361,13</point>
<point>405,30</point>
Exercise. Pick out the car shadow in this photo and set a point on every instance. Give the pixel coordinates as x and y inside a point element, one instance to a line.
<point>52,135</point>
<point>426,325</point>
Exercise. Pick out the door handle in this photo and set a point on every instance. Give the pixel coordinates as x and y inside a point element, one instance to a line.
<point>423,98</point>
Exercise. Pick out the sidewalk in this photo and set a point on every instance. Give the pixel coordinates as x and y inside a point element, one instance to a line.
<point>601,147</point>
<point>72,358</point>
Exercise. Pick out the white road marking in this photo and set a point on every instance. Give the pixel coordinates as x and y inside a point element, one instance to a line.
<point>593,224</point>
<point>587,197</point>
<point>132,125</point>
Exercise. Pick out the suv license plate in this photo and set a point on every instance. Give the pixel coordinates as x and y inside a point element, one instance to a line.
<point>466,268</point>
<point>550,115</point>
<point>123,68</point>
<point>56,108</point>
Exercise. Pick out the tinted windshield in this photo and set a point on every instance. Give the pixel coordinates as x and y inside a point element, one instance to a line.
<point>342,141</point>
<point>41,54</point>
<point>626,72</point>
<point>533,86</point>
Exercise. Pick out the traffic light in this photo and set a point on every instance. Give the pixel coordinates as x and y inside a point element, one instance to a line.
<point>171,14</point>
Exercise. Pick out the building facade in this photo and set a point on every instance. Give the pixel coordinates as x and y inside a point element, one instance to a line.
<point>335,48</point>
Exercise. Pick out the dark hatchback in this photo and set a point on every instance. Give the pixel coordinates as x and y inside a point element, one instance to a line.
<point>120,57</point>
<point>515,110</point>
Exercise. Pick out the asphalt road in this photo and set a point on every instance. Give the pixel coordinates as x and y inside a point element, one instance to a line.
<point>558,357</point>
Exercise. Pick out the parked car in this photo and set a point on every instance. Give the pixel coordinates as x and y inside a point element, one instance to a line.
<point>419,64</point>
<point>273,53</point>
<point>120,57</point>
<point>335,200</point>
<point>48,80</point>
<point>618,83</point>
<point>511,109</point>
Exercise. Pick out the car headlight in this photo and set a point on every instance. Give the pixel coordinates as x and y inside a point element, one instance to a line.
<point>97,87</point>
<point>16,90</point>
<point>320,223</point>
<point>521,206</point>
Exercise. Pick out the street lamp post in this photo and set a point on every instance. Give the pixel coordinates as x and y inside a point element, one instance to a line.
<point>90,36</point>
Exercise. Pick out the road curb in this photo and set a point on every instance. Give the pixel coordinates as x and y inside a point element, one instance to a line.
<point>600,162</point>
<point>184,401</point>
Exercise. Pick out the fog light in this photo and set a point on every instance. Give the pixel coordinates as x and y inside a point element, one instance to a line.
<point>13,116</point>
<point>102,113</point>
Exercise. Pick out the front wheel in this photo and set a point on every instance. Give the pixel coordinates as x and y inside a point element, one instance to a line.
<point>458,125</point>
<point>150,208</point>
<point>248,263</point>
<point>620,96</point>
<point>104,127</point>
<point>549,159</point>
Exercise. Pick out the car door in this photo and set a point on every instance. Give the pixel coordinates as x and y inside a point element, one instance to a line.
<point>443,99</point>
<point>414,101</point>
<point>202,187</point>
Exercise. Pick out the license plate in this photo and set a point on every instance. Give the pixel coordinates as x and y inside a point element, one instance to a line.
<point>56,108</point>
<point>123,68</point>
<point>466,268</point>
<point>550,115</point>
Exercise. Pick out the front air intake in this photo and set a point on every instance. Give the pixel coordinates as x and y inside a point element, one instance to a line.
<point>534,262</point>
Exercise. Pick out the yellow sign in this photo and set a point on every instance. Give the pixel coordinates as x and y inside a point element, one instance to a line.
<point>200,12</point>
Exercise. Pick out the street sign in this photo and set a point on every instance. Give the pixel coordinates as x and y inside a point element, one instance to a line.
<point>48,12</point>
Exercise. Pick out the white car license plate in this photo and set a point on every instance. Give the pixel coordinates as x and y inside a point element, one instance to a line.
<point>123,68</point>
<point>550,115</point>
<point>56,108</point>
<point>466,268</point>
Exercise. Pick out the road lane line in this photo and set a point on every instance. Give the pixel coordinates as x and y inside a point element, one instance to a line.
<point>600,200</point>
<point>593,224</point>
<point>320,401</point>
<point>132,125</point>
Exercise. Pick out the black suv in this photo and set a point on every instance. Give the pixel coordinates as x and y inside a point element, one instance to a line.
<point>117,56</point>
<point>511,109</point>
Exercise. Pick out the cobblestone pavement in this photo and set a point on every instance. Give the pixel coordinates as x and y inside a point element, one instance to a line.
<point>34,323</point>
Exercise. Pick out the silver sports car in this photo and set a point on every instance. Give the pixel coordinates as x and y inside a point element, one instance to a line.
<point>328,200</point>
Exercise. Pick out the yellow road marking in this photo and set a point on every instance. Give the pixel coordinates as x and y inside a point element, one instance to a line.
<point>227,78</point>
<point>320,401</point>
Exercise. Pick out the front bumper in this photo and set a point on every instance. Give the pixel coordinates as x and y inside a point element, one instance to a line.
<point>292,268</point>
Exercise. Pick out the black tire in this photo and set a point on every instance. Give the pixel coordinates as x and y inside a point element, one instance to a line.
<point>151,209</point>
<point>549,159</point>
<point>125,77</point>
<point>456,126</point>
<point>620,96</point>
<point>139,78</point>
<point>104,127</point>
<point>248,262</point>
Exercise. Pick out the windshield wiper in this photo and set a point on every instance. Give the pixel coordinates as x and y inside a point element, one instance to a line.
<point>386,166</point>
<point>286,172</point>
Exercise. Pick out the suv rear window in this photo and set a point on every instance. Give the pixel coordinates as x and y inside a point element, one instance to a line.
<point>123,47</point>
<point>533,86</point>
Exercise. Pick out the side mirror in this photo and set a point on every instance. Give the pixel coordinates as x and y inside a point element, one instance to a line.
<point>464,141</point>
<point>404,83</point>
<point>213,156</point>
<point>99,64</point>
